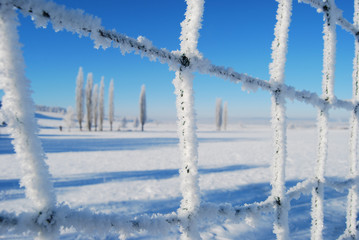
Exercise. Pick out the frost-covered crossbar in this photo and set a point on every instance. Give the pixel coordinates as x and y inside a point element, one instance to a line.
<point>86,25</point>
<point>86,221</point>
<point>50,216</point>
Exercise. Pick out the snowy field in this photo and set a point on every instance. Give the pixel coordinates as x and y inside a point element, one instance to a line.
<point>132,173</point>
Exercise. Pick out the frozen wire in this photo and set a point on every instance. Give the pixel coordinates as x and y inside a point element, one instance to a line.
<point>338,16</point>
<point>183,82</point>
<point>276,70</point>
<point>329,30</point>
<point>87,25</point>
<point>351,222</point>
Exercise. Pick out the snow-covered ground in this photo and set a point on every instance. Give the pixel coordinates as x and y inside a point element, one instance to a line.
<point>132,173</point>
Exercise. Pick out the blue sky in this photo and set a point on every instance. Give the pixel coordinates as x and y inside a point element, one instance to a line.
<point>235,33</point>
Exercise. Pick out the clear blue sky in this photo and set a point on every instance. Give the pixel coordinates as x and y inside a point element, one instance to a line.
<point>235,33</point>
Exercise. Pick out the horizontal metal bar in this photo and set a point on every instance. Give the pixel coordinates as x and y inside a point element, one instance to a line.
<point>175,60</point>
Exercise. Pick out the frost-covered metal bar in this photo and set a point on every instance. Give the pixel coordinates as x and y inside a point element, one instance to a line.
<point>86,25</point>
<point>100,224</point>
<point>91,223</point>
<point>183,82</point>
<point>341,186</point>
<point>228,212</point>
<point>340,20</point>
<point>351,231</point>
<point>253,84</point>
<point>19,110</point>
<point>76,21</point>
<point>276,70</point>
<point>304,187</point>
<point>329,30</point>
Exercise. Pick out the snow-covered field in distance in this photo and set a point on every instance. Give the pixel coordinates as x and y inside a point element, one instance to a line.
<point>132,173</point>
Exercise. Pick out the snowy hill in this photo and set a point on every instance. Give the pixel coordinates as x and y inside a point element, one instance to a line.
<point>133,173</point>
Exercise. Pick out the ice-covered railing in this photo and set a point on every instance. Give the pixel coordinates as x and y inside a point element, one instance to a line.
<point>18,110</point>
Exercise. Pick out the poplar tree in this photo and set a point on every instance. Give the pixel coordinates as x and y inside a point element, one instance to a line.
<point>89,100</point>
<point>95,105</point>
<point>111,105</point>
<point>80,97</point>
<point>218,114</point>
<point>143,115</point>
<point>101,104</point>
<point>225,115</point>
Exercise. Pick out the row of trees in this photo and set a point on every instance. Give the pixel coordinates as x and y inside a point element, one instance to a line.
<point>221,115</point>
<point>95,112</point>
<point>94,101</point>
<point>94,96</point>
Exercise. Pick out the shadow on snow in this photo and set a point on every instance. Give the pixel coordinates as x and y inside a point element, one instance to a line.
<point>106,177</point>
<point>299,215</point>
<point>106,144</point>
<point>43,116</point>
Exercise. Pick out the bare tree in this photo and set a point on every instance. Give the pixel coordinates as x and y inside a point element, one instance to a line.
<point>89,100</point>
<point>143,115</point>
<point>218,114</point>
<point>80,97</point>
<point>225,115</point>
<point>95,105</point>
<point>101,105</point>
<point>111,106</point>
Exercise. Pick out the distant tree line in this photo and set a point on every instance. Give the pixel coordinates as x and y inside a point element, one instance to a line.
<point>92,97</point>
<point>41,108</point>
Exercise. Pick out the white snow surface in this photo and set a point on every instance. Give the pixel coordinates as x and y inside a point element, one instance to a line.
<point>133,173</point>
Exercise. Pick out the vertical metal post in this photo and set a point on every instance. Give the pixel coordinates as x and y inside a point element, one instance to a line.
<point>183,83</point>
<point>19,110</point>
<point>329,51</point>
<point>279,50</point>
<point>351,223</point>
